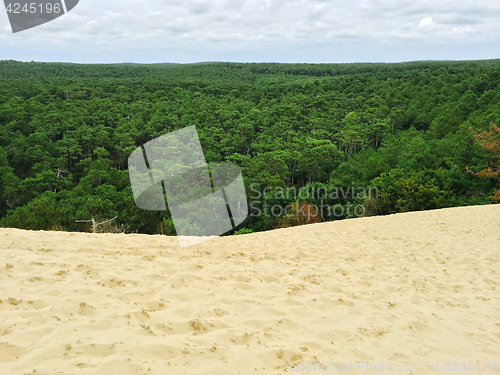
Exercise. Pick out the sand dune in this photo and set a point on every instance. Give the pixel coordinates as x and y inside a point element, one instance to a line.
<point>400,289</point>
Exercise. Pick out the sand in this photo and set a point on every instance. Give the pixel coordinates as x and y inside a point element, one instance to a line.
<point>402,290</point>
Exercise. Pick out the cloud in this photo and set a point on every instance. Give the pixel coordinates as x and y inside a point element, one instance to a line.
<point>427,21</point>
<point>117,28</point>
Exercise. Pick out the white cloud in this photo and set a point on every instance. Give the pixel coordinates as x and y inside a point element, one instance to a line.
<point>427,21</point>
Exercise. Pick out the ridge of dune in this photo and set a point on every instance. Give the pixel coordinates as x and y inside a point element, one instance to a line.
<point>402,289</point>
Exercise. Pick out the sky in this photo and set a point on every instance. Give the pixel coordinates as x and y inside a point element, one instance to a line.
<point>287,31</point>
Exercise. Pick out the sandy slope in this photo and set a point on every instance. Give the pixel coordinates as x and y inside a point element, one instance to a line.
<point>401,289</point>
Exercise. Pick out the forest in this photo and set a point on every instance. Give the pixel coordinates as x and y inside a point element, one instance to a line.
<point>423,135</point>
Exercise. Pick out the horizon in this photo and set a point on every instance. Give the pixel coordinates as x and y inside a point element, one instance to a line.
<point>254,62</point>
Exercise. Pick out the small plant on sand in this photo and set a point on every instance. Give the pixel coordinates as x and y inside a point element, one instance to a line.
<point>243,231</point>
<point>96,225</point>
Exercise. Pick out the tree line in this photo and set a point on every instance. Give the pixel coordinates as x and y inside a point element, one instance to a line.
<point>415,131</point>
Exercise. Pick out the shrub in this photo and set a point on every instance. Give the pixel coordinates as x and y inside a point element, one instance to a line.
<point>301,213</point>
<point>491,141</point>
<point>243,231</point>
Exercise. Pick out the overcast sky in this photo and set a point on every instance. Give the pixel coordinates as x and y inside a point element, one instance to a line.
<point>316,31</point>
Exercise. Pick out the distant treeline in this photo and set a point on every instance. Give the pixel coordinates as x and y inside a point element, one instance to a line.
<point>67,130</point>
